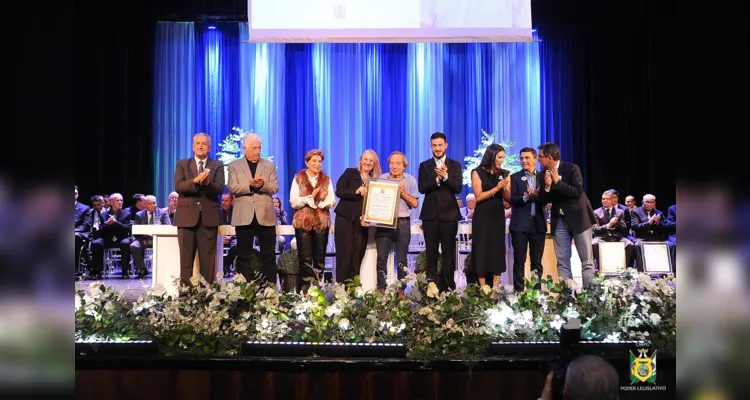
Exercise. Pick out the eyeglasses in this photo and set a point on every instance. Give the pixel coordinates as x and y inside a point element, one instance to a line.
<point>606,198</point>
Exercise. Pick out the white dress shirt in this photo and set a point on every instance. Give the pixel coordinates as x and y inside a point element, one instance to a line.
<point>298,201</point>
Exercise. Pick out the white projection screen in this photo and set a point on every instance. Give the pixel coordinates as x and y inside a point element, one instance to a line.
<point>394,21</point>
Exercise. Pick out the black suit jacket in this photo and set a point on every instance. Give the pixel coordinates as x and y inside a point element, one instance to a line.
<point>520,219</point>
<point>119,230</point>
<point>601,230</point>
<point>82,218</point>
<point>671,222</point>
<point>568,195</point>
<point>625,215</point>
<point>350,204</point>
<point>649,232</point>
<point>198,200</point>
<point>440,199</point>
<point>141,218</point>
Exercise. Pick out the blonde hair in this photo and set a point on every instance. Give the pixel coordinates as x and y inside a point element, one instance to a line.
<point>376,163</point>
<point>406,163</point>
<point>314,152</point>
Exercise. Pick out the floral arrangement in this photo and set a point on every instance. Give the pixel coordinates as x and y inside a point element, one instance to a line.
<point>470,162</point>
<point>216,319</point>
<point>231,147</point>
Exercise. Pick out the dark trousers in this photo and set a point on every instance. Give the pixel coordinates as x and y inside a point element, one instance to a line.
<point>231,254</point>
<point>521,242</point>
<point>311,249</point>
<point>266,235</point>
<point>443,233</point>
<point>137,249</point>
<point>351,242</point>
<point>81,239</point>
<point>202,239</point>
<point>97,253</point>
<point>384,239</point>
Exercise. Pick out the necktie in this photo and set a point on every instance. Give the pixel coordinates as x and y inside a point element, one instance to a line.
<point>532,186</point>
<point>200,166</point>
<point>150,218</point>
<point>608,214</point>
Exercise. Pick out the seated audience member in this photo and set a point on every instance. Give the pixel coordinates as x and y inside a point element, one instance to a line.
<point>140,204</point>
<point>114,233</point>
<point>508,209</point>
<point>106,203</point>
<point>96,221</point>
<point>230,241</point>
<point>587,377</point>
<point>171,204</point>
<point>82,225</point>
<point>151,215</point>
<point>610,227</point>
<point>626,213</point>
<point>630,205</point>
<point>282,241</point>
<point>649,225</point>
<point>467,212</point>
<point>672,229</point>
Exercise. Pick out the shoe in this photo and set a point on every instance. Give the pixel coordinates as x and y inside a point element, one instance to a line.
<point>141,274</point>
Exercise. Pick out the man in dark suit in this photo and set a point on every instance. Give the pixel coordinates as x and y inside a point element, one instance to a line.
<point>672,230</point>
<point>114,233</point>
<point>528,224</point>
<point>440,182</point>
<point>649,225</point>
<point>199,182</point>
<point>571,215</point>
<point>625,211</point>
<point>82,226</point>
<point>610,226</point>
<point>151,215</point>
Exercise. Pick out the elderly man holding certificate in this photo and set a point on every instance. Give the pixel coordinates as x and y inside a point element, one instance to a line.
<point>407,193</point>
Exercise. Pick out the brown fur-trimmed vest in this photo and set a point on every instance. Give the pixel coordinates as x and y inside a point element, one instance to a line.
<point>307,218</point>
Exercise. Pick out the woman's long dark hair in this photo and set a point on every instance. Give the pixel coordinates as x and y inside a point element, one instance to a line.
<point>488,161</point>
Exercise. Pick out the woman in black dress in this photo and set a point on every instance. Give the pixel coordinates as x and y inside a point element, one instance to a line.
<point>349,235</point>
<point>488,224</point>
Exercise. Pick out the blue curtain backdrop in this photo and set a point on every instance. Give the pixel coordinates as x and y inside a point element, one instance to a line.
<point>341,98</point>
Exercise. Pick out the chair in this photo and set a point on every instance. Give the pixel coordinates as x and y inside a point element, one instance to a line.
<point>111,258</point>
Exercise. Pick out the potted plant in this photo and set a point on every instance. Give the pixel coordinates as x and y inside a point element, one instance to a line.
<point>420,266</point>
<point>289,272</point>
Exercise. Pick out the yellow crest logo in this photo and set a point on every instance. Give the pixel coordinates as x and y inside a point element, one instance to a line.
<point>643,367</point>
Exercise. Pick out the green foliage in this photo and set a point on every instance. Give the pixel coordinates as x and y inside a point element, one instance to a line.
<point>420,265</point>
<point>288,262</point>
<point>471,162</point>
<point>231,147</point>
<point>214,320</point>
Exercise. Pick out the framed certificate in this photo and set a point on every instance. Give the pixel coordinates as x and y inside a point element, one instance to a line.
<point>611,257</point>
<point>656,258</point>
<point>381,203</point>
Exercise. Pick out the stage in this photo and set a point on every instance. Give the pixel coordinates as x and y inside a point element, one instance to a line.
<point>327,378</point>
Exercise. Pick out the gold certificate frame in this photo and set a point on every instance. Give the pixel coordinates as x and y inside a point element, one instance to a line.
<point>611,257</point>
<point>656,259</point>
<point>380,207</point>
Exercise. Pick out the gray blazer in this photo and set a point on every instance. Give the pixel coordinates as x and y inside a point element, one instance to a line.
<point>249,201</point>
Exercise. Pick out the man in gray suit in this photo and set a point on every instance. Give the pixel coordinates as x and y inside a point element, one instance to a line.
<point>253,182</point>
<point>199,182</point>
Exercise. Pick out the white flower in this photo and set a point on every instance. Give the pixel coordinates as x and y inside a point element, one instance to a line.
<point>556,323</point>
<point>344,323</point>
<point>613,338</point>
<point>159,290</point>
<point>486,289</point>
<point>432,290</point>
<point>655,318</point>
<point>633,307</point>
<point>78,302</point>
<point>239,278</point>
